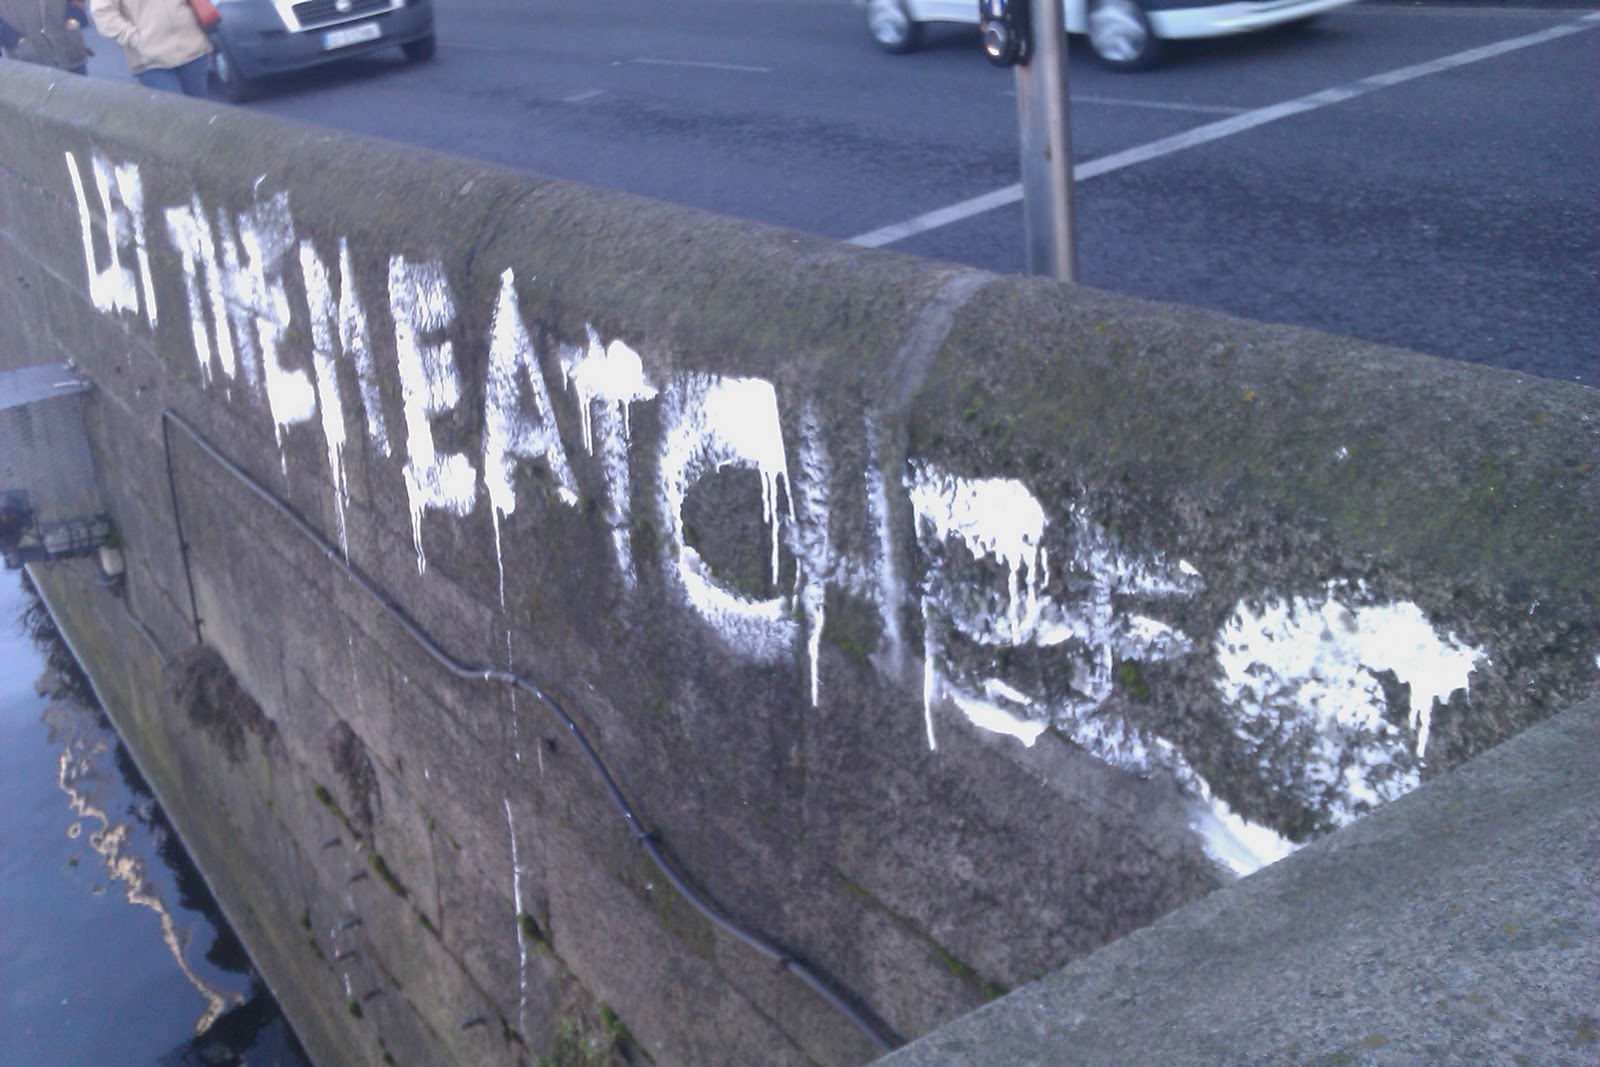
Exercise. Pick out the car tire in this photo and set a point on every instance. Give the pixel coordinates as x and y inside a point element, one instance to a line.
<point>891,25</point>
<point>226,81</point>
<point>1121,36</point>
<point>422,49</point>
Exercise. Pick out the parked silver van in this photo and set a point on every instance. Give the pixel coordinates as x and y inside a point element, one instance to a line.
<point>261,37</point>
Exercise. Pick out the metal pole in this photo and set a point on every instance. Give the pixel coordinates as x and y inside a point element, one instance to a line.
<point>1047,147</point>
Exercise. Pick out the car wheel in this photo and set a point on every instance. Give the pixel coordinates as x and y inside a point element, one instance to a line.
<point>421,49</point>
<point>1121,36</point>
<point>892,27</point>
<point>226,79</point>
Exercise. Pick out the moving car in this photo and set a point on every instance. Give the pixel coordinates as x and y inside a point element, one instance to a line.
<point>1124,34</point>
<point>261,37</point>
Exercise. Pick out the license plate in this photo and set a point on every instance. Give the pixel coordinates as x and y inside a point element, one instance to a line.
<point>349,35</point>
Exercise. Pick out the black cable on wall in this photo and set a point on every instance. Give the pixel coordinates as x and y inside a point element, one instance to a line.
<point>881,1035</point>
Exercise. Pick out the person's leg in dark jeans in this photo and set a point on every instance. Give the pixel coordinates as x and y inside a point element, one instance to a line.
<point>193,76</point>
<point>160,78</point>
<point>189,79</point>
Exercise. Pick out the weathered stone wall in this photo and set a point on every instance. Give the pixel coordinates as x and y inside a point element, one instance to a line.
<point>941,626</point>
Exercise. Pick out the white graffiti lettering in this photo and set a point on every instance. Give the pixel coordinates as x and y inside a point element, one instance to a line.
<point>267,240</point>
<point>419,295</point>
<point>514,429</point>
<point>191,235</point>
<point>1032,615</point>
<point>607,380</point>
<point>712,423</point>
<point>324,330</point>
<point>115,287</point>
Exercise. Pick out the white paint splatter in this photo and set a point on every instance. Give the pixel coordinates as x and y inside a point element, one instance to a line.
<point>1000,520</point>
<point>995,517</point>
<point>511,430</point>
<point>712,423</point>
<point>1078,623</point>
<point>511,692</point>
<point>607,379</point>
<point>1301,677</point>
<point>420,297</point>
<point>889,590</point>
<point>114,287</point>
<point>809,540</point>
<point>355,340</point>
<point>932,683</point>
<point>192,236</point>
<point>522,937</point>
<point>131,189</point>
<point>324,334</point>
<point>610,375</point>
<point>266,237</point>
<point>239,302</point>
<point>991,715</point>
<point>1236,843</point>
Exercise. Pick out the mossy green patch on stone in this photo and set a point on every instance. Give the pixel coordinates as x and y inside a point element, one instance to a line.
<point>644,537</point>
<point>963,971</point>
<point>576,1046</point>
<point>325,798</point>
<point>854,624</point>
<point>613,1025</point>
<point>531,933</point>
<point>381,869</point>
<point>1131,679</point>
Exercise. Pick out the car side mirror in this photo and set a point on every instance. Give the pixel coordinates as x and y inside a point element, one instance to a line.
<point>1007,31</point>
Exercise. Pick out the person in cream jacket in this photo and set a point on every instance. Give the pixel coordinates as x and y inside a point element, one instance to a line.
<point>165,46</point>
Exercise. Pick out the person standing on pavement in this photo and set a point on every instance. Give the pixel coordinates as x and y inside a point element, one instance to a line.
<point>47,32</point>
<point>165,46</point>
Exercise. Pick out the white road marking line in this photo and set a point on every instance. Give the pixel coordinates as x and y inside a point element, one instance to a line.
<point>1156,105</point>
<point>1215,131</point>
<point>735,67</point>
<point>587,94</point>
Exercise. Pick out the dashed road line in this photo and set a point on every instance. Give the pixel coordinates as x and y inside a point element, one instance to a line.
<point>1216,131</point>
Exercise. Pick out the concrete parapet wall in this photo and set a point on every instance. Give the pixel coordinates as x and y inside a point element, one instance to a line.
<point>1459,925</point>
<point>942,626</point>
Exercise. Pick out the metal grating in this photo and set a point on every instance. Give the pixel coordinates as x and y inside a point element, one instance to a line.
<point>50,503</point>
<point>313,13</point>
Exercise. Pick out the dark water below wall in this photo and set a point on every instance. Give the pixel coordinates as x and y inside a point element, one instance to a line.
<point>112,951</point>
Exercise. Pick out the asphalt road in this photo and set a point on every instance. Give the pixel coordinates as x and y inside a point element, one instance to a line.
<point>1452,208</point>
